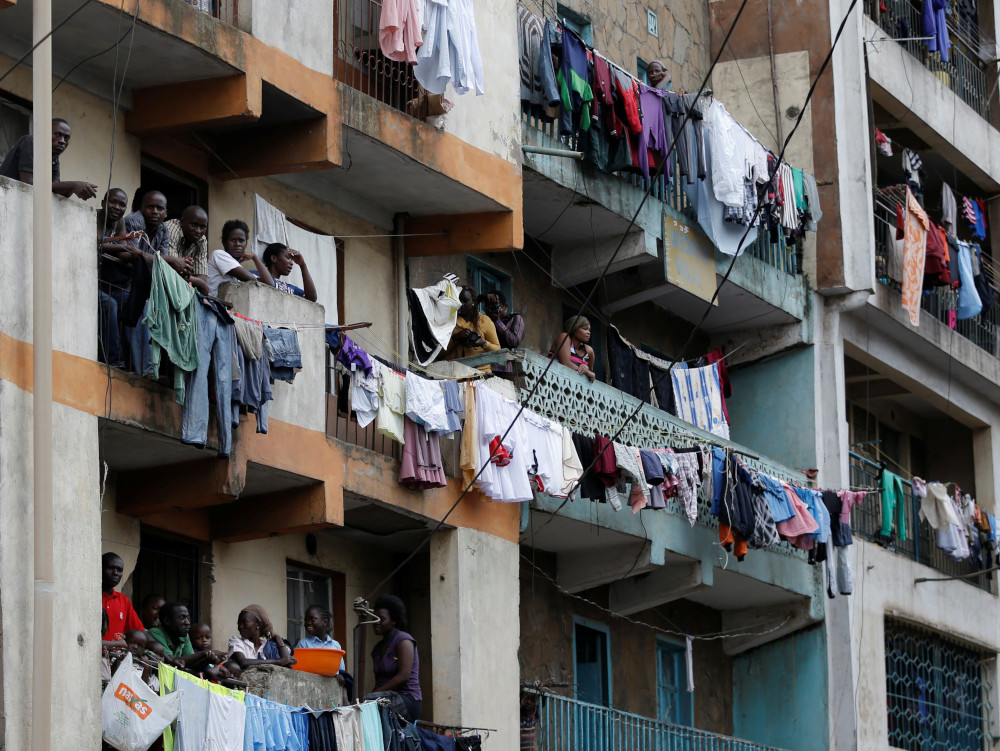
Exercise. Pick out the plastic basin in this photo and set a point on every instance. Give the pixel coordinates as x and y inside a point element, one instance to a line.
<point>319,661</point>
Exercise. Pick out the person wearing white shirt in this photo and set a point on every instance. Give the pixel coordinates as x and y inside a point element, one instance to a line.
<point>225,265</point>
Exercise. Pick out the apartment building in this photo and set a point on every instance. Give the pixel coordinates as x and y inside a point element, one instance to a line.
<point>550,623</point>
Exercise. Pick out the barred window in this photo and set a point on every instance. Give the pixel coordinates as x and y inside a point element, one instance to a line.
<point>938,691</point>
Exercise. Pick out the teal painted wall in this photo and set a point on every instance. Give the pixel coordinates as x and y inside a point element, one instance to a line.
<point>772,409</point>
<point>780,693</point>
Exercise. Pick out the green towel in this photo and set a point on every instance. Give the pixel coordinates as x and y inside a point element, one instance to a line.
<point>893,506</point>
<point>173,323</point>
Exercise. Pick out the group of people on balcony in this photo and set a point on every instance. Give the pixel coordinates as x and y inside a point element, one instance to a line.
<point>499,328</point>
<point>162,632</point>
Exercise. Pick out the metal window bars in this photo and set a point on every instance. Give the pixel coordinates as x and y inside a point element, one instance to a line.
<point>938,692</point>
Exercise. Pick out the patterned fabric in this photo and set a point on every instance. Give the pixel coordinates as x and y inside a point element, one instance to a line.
<point>698,397</point>
<point>180,248</point>
<point>765,532</point>
<point>914,253</point>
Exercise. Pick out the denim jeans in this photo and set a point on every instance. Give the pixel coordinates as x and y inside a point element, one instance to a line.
<point>252,389</point>
<point>139,343</point>
<point>215,356</point>
<point>287,355</point>
<point>109,302</point>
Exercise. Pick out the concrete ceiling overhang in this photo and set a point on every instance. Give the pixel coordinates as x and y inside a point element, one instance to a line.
<point>158,58</point>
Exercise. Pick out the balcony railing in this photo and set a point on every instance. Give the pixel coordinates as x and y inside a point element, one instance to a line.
<point>982,330</point>
<point>965,74</point>
<point>565,724</point>
<point>920,544</point>
<point>342,424</point>
<point>570,399</point>
<point>358,61</point>
<point>671,195</point>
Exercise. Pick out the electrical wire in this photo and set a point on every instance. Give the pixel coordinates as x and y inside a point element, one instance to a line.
<point>541,379</point>
<point>37,44</point>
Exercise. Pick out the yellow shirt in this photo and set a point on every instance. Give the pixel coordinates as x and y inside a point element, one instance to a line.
<point>489,333</point>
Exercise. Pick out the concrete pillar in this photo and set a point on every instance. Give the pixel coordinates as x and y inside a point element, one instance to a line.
<point>475,632</point>
<point>985,458</point>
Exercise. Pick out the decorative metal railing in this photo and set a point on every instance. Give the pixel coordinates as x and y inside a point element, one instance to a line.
<point>565,724</point>
<point>938,692</point>
<point>920,544</point>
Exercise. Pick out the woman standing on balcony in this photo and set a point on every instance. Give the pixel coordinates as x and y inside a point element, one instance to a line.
<point>395,661</point>
<point>572,347</point>
<point>474,332</point>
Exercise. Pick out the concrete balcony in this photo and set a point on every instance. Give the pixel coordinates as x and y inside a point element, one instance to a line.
<point>945,105</point>
<point>254,94</point>
<point>665,258</point>
<point>660,557</point>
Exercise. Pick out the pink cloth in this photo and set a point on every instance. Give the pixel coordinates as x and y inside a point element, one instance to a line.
<point>849,499</point>
<point>914,256</point>
<point>420,467</point>
<point>399,30</point>
<point>795,529</point>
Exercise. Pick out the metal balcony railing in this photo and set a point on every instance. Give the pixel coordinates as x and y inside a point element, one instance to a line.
<point>358,61</point>
<point>565,724</point>
<point>670,194</point>
<point>982,330</point>
<point>965,74</point>
<point>921,543</point>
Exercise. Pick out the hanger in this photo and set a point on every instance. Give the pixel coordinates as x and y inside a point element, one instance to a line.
<point>362,608</point>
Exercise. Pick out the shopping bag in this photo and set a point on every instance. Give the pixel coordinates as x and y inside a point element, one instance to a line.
<point>132,716</point>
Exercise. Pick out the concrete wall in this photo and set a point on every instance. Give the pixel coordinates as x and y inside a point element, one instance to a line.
<point>300,28</point>
<point>547,648</point>
<point>780,693</point>
<point>492,122</point>
<point>773,405</point>
<point>76,503</point>
<point>91,118</point>
<point>620,33</point>
<point>474,619</point>
<point>884,588</point>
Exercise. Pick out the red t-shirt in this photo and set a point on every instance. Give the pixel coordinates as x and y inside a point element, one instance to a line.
<point>121,615</point>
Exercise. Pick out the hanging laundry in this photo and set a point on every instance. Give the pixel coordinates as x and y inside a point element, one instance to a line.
<point>420,467</point>
<point>698,396</point>
<point>399,30</point>
<point>450,52</point>
<point>882,143</point>
<point>969,304</point>
<point>507,482</point>
<point>574,85</point>
<point>934,24</point>
<point>425,402</point>
<point>914,253</point>
<point>392,406</point>
<point>628,372</point>
<point>172,320</point>
<point>949,208</point>
<point>893,507</point>
<point>544,439</point>
<point>653,141</point>
<point>215,355</point>
<point>538,81</point>
<point>913,165</point>
<point>433,314</point>
<point>937,262</point>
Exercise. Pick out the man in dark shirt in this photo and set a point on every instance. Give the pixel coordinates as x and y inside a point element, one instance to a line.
<point>116,258</point>
<point>150,218</point>
<point>19,163</point>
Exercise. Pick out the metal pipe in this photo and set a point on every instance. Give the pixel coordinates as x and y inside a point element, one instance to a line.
<point>399,259</point>
<point>545,151</point>
<point>44,588</point>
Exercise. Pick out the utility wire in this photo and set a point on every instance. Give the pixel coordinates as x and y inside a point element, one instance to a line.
<point>649,188</point>
<point>36,45</point>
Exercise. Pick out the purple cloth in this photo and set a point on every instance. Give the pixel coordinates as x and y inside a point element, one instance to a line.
<point>350,355</point>
<point>935,25</point>
<point>388,666</point>
<point>654,127</point>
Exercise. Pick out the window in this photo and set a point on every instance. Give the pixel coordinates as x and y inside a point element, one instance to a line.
<point>937,691</point>
<point>15,121</point>
<point>488,279</point>
<point>592,662</point>
<point>170,567</point>
<point>573,20</point>
<point>312,586</point>
<point>674,702</point>
<point>181,189</point>
<point>640,68</point>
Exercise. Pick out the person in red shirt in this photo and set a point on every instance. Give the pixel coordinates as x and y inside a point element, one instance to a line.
<point>121,615</point>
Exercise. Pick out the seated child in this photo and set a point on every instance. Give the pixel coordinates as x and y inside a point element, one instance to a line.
<point>136,641</point>
<point>201,640</point>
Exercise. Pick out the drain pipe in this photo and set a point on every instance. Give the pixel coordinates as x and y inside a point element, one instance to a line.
<point>399,259</point>
<point>41,321</point>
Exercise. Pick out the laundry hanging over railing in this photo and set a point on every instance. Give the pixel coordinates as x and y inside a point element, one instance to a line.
<point>623,125</point>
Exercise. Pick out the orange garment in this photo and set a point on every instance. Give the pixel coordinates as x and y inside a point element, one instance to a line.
<point>914,255</point>
<point>728,536</point>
